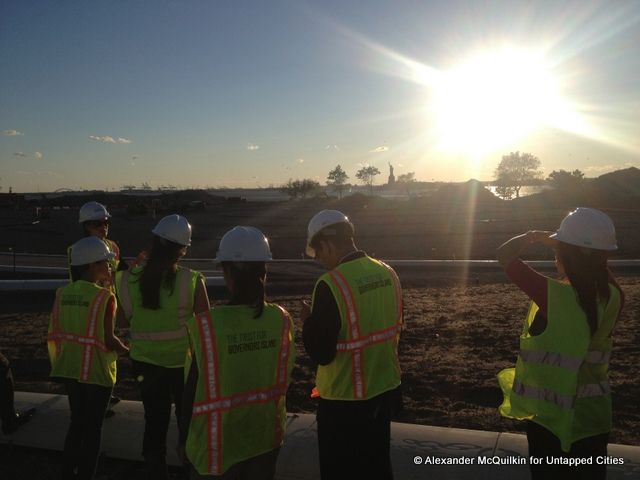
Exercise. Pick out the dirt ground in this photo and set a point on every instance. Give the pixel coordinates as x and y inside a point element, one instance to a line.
<point>457,338</point>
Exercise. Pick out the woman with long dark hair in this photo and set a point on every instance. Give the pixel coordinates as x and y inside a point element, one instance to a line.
<point>560,382</point>
<point>240,364</point>
<point>158,299</point>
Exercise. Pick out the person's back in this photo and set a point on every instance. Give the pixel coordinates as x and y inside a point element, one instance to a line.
<point>352,331</point>
<point>240,363</point>
<point>366,292</point>
<point>560,381</point>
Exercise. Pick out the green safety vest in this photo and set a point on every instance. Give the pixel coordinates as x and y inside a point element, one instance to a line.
<point>560,380</point>
<point>369,298</point>
<point>75,338</point>
<point>244,367</point>
<point>158,336</point>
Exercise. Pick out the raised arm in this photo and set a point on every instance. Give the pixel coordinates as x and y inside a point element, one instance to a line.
<point>201,299</point>
<point>511,249</point>
<point>112,342</point>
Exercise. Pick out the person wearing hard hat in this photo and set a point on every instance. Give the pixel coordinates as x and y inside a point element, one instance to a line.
<point>157,300</point>
<point>560,382</point>
<point>238,370</point>
<point>351,330</point>
<point>94,218</point>
<point>83,350</point>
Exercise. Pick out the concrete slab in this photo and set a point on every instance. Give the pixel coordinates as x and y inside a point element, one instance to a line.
<point>417,451</point>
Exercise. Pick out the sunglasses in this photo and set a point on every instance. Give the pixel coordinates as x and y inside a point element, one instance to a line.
<point>99,223</point>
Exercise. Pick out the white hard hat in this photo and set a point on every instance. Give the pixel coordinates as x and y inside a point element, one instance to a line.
<point>174,228</point>
<point>321,220</point>
<point>89,250</point>
<point>244,244</point>
<point>93,211</point>
<point>588,228</point>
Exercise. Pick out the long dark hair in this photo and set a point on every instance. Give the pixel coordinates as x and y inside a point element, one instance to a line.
<point>161,266</point>
<point>249,284</point>
<point>587,272</point>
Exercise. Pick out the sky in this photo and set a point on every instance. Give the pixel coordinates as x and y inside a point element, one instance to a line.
<point>200,93</point>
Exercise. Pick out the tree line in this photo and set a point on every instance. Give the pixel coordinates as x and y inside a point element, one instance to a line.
<point>514,171</point>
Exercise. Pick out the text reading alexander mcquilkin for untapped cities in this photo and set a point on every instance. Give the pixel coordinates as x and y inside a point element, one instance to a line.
<point>516,460</point>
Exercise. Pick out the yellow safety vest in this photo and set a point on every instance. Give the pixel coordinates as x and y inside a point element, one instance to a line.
<point>158,336</point>
<point>560,380</point>
<point>244,366</point>
<point>369,298</point>
<point>75,338</point>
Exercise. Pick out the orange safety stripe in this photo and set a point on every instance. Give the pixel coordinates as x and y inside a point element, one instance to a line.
<point>357,360</point>
<point>79,339</point>
<point>94,311</point>
<point>378,336</point>
<point>282,371</point>
<point>214,405</point>
<point>212,390</point>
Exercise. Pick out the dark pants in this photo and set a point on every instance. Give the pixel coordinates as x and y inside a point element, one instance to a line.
<point>159,388</point>
<point>543,444</point>
<point>261,467</point>
<point>353,438</point>
<point>6,391</point>
<point>88,403</point>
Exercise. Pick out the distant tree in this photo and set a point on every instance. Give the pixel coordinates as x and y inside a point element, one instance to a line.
<point>562,179</point>
<point>516,170</point>
<point>407,180</point>
<point>299,188</point>
<point>337,179</point>
<point>367,176</point>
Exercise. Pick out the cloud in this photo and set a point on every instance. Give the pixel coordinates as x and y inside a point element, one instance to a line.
<point>252,147</point>
<point>332,147</point>
<point>38,156</point>
<point>38,173</point>
<point>20,154</point>
<point>382,148</point>
<point>11,133</point>
<point>109,139</point>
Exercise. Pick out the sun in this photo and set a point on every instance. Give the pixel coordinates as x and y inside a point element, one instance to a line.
<point>491,100</point>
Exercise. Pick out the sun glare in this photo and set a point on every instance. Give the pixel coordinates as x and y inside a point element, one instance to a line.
<point>491,100</point>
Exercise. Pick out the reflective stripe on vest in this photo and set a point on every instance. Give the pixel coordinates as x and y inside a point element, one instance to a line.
<point>184,310</point>
<point>564,361</point>
<point>357,344</point>
<point>215,404</point>
<point>357,368</point>
<point>167,335</point>
<point>89,340</point>
<point>597,357</point>
<point>563,401</point>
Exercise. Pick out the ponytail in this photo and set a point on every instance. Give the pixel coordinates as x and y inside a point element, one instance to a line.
<point>161,266</point>
<point>249,284</point>
<point>587,272</point>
